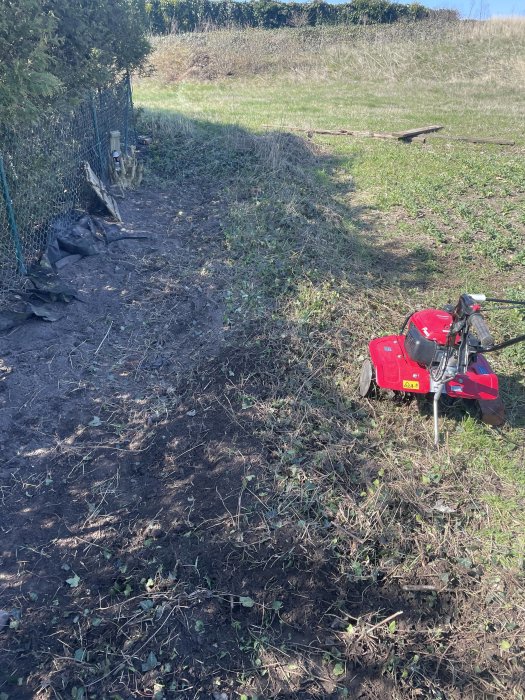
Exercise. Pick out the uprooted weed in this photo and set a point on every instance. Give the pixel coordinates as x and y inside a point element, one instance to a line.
<point>424,563</point>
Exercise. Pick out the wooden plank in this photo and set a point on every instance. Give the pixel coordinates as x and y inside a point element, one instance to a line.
<point>420,134</point>
<point>338,132</point>
<point>99,189</point>
<point>410,133</point>
<point>469,139</point>
<point>396,135</point>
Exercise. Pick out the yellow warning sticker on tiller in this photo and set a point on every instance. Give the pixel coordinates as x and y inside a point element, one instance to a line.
<point>408,384</point>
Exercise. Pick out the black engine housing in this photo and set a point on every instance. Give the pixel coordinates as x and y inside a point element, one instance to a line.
<point>420,349</point>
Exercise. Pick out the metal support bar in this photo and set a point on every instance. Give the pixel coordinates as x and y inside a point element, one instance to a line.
<point>97,138</point>
<point>437,396</point>
<point>21,267</point>
<point>128,109</point>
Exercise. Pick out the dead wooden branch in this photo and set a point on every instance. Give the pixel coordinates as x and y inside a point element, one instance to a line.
<point>338,132</point>
<point>418,588</point>
<point>467,139</point>
<point>396,135</point>
<point>384,622</point>
<point>419,134</point>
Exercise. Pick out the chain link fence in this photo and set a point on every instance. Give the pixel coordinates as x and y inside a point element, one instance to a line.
<point>40,175</point>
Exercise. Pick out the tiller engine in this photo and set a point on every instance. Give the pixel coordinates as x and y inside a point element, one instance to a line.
<point>442,351</point>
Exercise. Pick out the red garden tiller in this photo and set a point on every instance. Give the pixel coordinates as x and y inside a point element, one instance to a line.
<point>441,352</point>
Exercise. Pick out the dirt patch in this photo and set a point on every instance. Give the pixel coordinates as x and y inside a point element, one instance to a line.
<point>147,550</point>
<point>79,399</point>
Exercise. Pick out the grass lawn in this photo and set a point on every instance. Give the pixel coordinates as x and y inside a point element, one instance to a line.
<point>333,240</point>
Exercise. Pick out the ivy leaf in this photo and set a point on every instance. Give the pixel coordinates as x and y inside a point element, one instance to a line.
<point>338,669</point>
<point>73,581</point>
<point>504,645</point>
<point>150,663</point>
<point>80,654</point>
<point>199,626</point>
<point>246,601</point>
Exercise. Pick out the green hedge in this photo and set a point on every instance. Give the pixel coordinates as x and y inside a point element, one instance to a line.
<point>54,48</point>
<point>166,16</point>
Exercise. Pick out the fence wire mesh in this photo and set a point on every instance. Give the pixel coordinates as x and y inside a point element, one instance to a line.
<point>40,174</point>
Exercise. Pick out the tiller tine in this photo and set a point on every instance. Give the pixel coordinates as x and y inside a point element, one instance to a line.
<point>493,411</point>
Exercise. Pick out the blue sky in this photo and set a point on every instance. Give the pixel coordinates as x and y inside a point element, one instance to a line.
<point>483,9</point>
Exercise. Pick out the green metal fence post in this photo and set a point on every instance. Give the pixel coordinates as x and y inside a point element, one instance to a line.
<point>97,137</point>
<point>11,219</point>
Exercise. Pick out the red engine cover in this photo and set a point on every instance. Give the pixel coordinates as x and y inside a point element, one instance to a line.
<point>434,324</point>
<point>395,370</point>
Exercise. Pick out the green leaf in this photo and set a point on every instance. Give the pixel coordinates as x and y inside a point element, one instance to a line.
<point>33,596</point>
<point>80,655</point>
<point>73,581</point>
<point>350,629</point>
<point>277,605</point>
<point>150,663</point>
<point>95,422</point>
<point>505,645</point>
<point>246,601</point>
<point>392,626</point>
<point>338,669</point>
<point>199,626</point>
<point>146,604</point>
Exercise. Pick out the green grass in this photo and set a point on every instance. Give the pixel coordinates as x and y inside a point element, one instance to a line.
<point>457,207</point>
<point>333,243</point>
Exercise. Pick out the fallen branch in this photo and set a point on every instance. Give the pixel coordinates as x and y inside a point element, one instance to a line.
<point>420,134</point>
<point>395,135</point>
<point>467,139</point>
<point>338,132</point>
<point>384,622</point>
<point>416,588</point>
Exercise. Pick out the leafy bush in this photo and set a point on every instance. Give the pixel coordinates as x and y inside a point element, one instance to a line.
<point>167,16</point>
<point>54,47</point>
